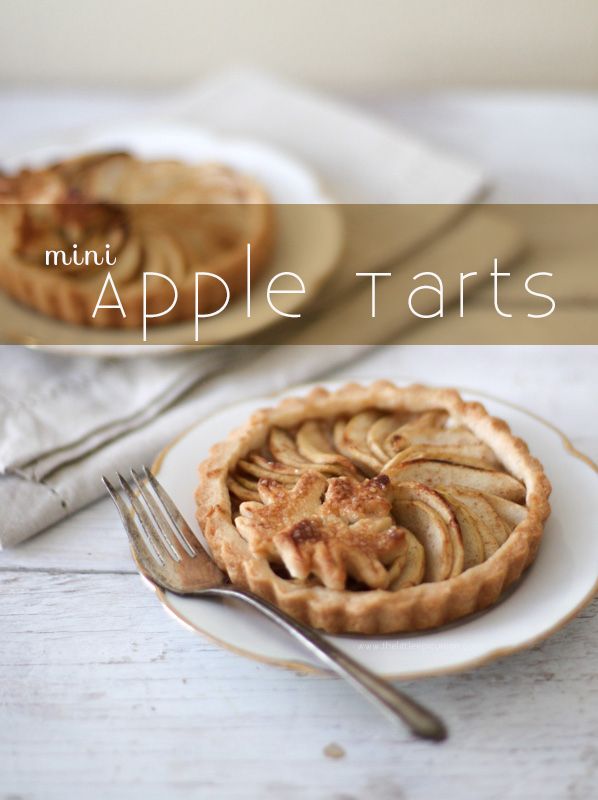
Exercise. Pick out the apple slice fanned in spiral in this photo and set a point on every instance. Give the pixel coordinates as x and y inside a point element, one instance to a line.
<point>351,439</point>
<point>411,492</point>
<point>379,433</point>
<point>315,445</point>
<point>432,533</point>
<point>440,473</point>
<point>512,513</point>
<point>414,567</point>
<point>481,508</point>
<point>283,447</point>
<point>478,455</point>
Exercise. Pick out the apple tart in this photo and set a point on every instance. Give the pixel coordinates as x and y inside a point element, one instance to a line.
<point>374,509</point>
<point>161,217</point>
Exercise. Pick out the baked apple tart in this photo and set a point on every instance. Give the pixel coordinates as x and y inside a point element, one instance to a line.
<point>64,227</point>
<point>374,509</point>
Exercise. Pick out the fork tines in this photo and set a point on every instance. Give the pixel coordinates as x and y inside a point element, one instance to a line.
<point>153,523</point>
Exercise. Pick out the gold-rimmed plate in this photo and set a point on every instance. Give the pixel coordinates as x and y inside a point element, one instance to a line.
<point>561,581</point>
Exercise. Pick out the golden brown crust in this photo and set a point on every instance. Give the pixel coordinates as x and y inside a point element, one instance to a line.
<point>375,611</point>
<point>232,208</point>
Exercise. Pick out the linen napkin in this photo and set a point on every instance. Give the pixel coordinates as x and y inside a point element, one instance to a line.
<point>65,421</point>
<point>359,158</point>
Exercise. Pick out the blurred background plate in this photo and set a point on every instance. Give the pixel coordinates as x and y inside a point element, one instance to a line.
<point>309,241</point>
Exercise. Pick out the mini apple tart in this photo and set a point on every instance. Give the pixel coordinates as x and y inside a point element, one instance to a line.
<point>163,239</point>
<point>374,509</point>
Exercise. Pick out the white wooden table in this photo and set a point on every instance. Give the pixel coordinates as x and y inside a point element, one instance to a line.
<point>102,694</point>
<point>101,691</point>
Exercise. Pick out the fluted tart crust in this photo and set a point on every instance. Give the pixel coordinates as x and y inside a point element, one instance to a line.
<point>374,509</point>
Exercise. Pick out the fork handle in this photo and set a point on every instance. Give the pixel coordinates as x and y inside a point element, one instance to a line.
<point>419,720</point>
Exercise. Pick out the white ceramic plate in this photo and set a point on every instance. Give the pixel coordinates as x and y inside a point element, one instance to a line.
<point>309,243</point>
<point>562,579</point>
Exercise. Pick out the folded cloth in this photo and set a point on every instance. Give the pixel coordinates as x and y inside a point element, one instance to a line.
<point>100,401</point>
<point>65,421</point>
<point>359,158</point>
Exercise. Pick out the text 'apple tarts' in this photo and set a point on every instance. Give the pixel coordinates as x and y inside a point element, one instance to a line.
<point>65,227</point>
<point>374,509</point>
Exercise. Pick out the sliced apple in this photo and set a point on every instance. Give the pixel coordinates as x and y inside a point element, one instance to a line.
<point>166,249</point>
<point>454,442</point>
<point>314,445</point>
<point>350,439</point>
<point>379,433</point>
<point>491,543</point>
<point>473,528</point>
<point>511,513</point>
<point>400,438</point>
<point>241,491</point>
<point>427,419</point>
<point>153,182</point>
<point>470,546</point>
<point>418,491</point>
<point>477,503</point>
<point>115,234</point>
<point>271,470</point>
<point>413,570</point>
<point>103,177</point>
<point>460,438</point>
<point>283,448</point>
<point>248,483</point>
<point>276,466</point>
<point>443,436</point>
<point>432,532</point>
<point>473,542</point>
<point>467,455</point>
<point>437,473</point>
<point>128,266</point>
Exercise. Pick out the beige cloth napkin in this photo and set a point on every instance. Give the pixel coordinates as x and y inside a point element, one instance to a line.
<point>65,421</point>
<point>359,158</point>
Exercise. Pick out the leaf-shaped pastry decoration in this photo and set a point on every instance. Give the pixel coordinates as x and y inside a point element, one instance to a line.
<point>334,530</point>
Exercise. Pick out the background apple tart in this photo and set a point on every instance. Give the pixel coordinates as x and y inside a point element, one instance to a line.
<point>164,217</point>
<point>374,509</point>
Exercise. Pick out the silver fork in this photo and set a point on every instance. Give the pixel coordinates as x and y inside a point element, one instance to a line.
<point>168,554</point>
